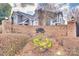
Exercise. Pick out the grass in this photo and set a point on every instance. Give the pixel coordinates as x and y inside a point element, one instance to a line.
<point>13,44</point>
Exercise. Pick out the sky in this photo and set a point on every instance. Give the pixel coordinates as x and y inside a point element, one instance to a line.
<point>69,6</point>
<point>73,5</point>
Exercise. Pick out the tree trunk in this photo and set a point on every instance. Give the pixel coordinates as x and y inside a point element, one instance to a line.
<point>41,17</point>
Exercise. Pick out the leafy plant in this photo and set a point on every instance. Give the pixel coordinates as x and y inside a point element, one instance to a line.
<point>5,11</point>
<point>46,43</point>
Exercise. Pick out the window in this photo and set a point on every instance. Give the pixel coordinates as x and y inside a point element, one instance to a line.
<point>23,4</point>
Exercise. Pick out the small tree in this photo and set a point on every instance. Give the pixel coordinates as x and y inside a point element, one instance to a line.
<point>5,11</point>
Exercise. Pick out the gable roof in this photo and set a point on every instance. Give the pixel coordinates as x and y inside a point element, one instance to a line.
<point>24,14</point>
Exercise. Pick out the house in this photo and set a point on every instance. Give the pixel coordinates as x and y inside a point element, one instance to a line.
<point>23,13</point>
<point>24,19</point>
<point>54,9</point>
<point>50,18</point>
<point>36,16</point>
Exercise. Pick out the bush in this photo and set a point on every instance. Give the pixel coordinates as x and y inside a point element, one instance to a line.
<point>45,44</point>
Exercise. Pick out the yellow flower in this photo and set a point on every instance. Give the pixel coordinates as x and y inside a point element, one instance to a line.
<point>43,44</point>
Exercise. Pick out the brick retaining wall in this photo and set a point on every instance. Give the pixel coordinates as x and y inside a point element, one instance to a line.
<point>58,30</point>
